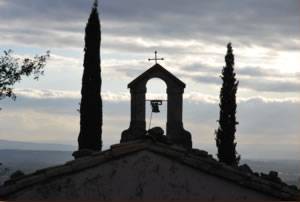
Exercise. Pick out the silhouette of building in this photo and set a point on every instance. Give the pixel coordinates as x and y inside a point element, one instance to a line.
<point>175,88</point>
<point>149,165</point>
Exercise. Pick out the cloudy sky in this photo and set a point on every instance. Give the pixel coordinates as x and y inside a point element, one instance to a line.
<point>191,35</point>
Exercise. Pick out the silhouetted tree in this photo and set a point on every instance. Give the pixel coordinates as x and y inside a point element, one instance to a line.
<point>12,71</point>
<point>17,174</point>
<point>225,135</point>
<point>91,103</point>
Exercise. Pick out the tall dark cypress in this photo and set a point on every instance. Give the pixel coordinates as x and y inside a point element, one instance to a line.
<point>90,136</point>
<point>225,135</point>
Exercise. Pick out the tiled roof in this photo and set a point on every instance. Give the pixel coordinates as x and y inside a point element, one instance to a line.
<point>197,159</point>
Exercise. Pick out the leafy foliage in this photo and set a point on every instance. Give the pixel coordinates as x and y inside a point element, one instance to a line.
<point>3,170</point>
<point>91,102</point>
<point>17,174</point>
<point>225,135</point>
<point>12,71</point>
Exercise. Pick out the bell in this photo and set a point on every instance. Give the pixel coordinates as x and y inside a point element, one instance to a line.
<point>155,108</point>
<point>155,105</point>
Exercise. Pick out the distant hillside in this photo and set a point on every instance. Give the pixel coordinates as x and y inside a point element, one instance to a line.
<point>288,170</point>
<point>18,145</point>
<point>29,161</point>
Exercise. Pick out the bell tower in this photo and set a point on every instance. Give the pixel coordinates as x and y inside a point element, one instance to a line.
<point>175,89</point>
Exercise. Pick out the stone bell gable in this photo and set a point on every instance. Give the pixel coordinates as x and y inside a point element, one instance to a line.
<point>175,89</point>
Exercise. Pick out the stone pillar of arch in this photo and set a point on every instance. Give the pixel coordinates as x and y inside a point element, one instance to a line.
<point>175,129</point>
<point>137,126</point>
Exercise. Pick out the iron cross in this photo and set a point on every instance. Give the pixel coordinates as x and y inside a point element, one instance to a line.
<point>155,58</point>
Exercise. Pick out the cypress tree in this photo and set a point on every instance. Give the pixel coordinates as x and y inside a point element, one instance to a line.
<point>91,103</point>
<point>225,135</point>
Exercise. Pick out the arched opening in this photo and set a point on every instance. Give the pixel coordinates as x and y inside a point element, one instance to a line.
<point>156,90</point>
<point>170,116</point>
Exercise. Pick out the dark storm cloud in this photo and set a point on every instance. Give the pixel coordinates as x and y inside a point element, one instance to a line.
<point>268,23</point>
<point>61,23</point>
<point>41,10</point>
<point>44,23</point>
<point>271,24</point>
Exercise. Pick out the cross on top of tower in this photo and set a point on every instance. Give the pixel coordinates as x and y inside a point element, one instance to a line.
<point>155,58</point>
